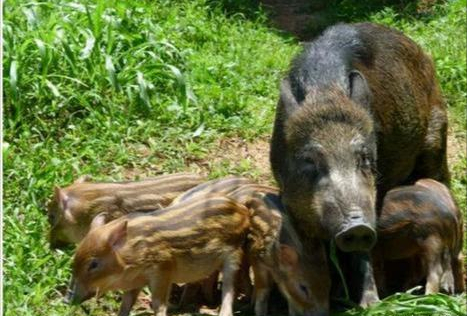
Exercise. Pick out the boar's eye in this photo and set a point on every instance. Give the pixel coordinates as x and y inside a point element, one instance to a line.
<point>93,265</point>
<point>304,289</point>
<point>365,161</point>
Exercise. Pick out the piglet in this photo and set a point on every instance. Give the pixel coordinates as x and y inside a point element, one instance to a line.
<point>182,243</point>
<point>71,209</point>
<point>420,235</point>
<point>276,254</point>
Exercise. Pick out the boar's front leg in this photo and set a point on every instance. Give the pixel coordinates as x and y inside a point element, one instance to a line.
<point>370,291</point>
<point>361,282</point>
<point>128,300</point>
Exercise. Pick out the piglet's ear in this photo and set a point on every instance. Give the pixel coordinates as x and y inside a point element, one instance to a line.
<point>117,237</point>
<point>288,256</point>
<point>61,197</point>
<point>99,220</point>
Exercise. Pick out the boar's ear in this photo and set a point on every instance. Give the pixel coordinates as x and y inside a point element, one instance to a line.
<point>288,256</point>
<point>359,91</point>
<point>82,179</point>
<point>117,236</point>
<point>287,99</point>
<point>99,220</point>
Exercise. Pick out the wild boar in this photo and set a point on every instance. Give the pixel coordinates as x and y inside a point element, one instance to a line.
<point>359,113</point>
<point>72,208</point>
<point>420,232</point>
<point>182,243</point>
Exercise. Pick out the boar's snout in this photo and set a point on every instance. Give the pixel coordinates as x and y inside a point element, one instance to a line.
<point>356,236</point>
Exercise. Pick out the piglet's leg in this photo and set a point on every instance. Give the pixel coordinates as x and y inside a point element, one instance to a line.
<point>229,269</point>
<point>190,292</point>
<point>433,256</point>
<point>447,279</point>
<point>128,300</point>
<point>262,289</point>
<point>209,287</point>
<point>160,285</point>
<point>243,284</point>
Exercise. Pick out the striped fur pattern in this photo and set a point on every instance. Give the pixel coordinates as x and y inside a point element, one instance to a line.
<point>239,189</point>
<point>218,186</point>
<point>182,243</point>
<point>275,254</point>
<point>420,235</point>
<point>72,208</point>
<point>266,218</point>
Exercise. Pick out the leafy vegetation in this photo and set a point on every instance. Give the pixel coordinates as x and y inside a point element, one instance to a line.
<point>121,89</point>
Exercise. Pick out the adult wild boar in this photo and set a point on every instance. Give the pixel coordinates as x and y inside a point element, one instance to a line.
<point>359,113</point>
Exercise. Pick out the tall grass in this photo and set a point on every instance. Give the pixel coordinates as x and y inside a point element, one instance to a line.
<point>116,88</point>
<point>108,87</point>
<point>130,60</point>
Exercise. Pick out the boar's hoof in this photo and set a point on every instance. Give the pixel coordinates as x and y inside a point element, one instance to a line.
<point>369,298</point>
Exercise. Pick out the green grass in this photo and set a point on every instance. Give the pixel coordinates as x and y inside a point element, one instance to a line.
<point>113,88</point>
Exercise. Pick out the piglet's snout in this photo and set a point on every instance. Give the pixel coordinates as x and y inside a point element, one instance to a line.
<point>70,293</point>
<point>73,296</point>
<point>357,235</point>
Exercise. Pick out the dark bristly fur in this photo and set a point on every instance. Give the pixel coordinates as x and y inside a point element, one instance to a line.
<point>359,113</point>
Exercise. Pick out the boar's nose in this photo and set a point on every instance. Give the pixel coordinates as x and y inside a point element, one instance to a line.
<point>358,236</point>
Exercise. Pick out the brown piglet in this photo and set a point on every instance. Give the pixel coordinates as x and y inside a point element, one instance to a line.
<point>420,235</point>
<point>205,291</point>
<point>72,208</point>
<point>182,243</point>
<point>276,254</point>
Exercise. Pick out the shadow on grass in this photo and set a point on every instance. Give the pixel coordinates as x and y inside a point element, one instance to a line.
<point>305,19</point>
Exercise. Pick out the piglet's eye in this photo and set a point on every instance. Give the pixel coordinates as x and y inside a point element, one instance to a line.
<point>93,265</point>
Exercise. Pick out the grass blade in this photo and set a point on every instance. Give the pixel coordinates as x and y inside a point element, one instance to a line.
<point>143,88</point>
<point>109,66</point>
<point>14,79</point>
<point>90,41</point>
<point>53,88</point>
